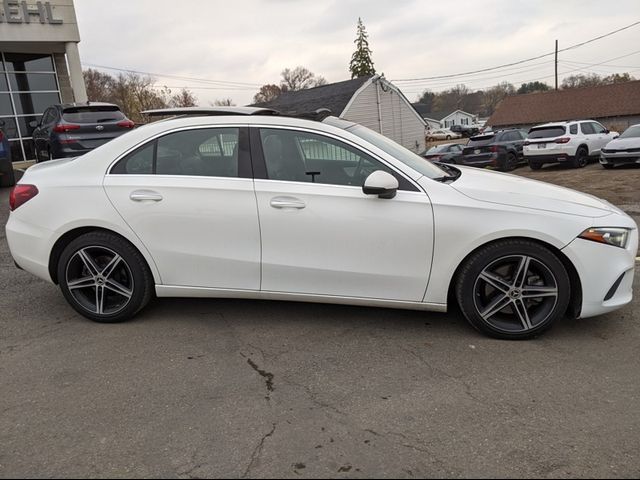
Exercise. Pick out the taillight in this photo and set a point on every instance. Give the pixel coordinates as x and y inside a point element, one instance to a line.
<point>1,135</point>
<point>21,194</point>
<point>563,140</point>
<point>126,124</point>
<point>493,148</point>
<point>66,127</point>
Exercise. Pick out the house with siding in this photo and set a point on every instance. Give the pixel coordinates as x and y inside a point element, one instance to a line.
<point>371,101</point>
<point>616,106</point>
<point>440,119</point>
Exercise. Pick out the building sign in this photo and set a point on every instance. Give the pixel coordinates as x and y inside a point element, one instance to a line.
<point>15,11</point>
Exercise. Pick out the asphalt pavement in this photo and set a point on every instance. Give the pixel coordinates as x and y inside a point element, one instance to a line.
<point>234,388</point>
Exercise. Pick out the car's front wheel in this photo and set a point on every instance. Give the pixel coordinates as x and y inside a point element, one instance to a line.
<point>104,277</point>
<point>513,289</point>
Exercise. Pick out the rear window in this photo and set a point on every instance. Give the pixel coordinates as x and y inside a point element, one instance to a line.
<point>480,140</point>
<point>547,132</point>
<point>92,115</point>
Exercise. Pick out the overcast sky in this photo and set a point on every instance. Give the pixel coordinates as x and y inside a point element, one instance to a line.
<point>252,41</point>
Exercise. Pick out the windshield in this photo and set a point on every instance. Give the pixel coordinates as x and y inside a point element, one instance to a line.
<point>631,132</point>
<point>397,151</point>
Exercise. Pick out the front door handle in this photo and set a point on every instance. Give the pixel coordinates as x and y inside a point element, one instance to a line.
<point>145,195</point>
<point>287,202</point>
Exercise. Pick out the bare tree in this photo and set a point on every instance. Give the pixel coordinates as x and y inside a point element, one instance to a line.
<point>267,93</point>
<point>494,95</point>
<point>98,84</point>
<point>300,78</point>
<point>184,98</point>
<point>224,102</point>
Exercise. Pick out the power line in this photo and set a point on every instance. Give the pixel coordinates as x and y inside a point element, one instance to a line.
<point>177,77</point>
<point>521,61</point>
<point>573,69</point>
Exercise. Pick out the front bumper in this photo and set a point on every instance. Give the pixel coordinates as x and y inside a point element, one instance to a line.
<point>619,158</point>
<point>606,273</point>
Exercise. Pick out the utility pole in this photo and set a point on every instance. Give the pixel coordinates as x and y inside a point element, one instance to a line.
<point>556,64</point>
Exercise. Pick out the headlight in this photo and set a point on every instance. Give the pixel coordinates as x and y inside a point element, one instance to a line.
<point>617,237</point>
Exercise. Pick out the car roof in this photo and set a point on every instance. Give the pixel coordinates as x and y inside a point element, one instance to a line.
<point>210,111</point>
<point>64,106</point>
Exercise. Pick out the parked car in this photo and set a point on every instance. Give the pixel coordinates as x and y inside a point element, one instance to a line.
<point>256,205</point>
<point>447,153</point>
<point>571,143</point>
<point>71,130</point>
<point>442,134</point>
<point>466,131</point>
<point>623,150</point>
<point>500,148</point>
<point>6,166</point>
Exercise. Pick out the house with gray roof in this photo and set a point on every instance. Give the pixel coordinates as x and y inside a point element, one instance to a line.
<point>370,101</point>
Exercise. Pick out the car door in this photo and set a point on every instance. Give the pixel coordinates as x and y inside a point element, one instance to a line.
<point>321,235</point>
<point>590,137</point>
<point>188,195</point>
<point>602,136</point>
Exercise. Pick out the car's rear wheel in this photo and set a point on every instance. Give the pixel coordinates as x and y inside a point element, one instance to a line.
<point>104,277</point>
<point>513,289</point>
<point>581,159</point>
<point>510,163</point>
<point>448,137</point>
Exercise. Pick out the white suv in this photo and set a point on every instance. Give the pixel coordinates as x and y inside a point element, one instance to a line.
<point>566,142</point>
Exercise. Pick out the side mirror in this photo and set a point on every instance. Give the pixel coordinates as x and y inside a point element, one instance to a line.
<point>382,184</point>
<point>33,124</point>
<point>606,130</point>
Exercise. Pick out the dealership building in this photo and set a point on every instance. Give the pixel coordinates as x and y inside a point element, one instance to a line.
<point>39,66</point>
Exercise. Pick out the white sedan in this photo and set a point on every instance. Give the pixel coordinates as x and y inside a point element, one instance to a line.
<point>244,203</point>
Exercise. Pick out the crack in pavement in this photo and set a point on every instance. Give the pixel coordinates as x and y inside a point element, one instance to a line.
<point>268,376</point>
<point>258,451</point>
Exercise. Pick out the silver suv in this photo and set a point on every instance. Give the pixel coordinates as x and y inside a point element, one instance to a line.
<point>571,142</point>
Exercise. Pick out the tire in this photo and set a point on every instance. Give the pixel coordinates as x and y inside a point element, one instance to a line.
<point>510,163</point>
<point>581,159</point>
<point>430,139</point>
<point>86,270</point>
<point>448,137</point>
<point>492,278</point>
<point>534,165</point>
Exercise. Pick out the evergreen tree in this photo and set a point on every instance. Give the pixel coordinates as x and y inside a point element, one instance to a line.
<point>361,64</point>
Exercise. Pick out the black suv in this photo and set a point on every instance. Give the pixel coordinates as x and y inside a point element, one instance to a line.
<point>501,149</point>
<point>74,129</point>
<point>6,167</point>
<point>465,130</point>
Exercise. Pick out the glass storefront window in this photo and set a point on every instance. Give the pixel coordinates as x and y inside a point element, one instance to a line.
<point>27,82</point>
<point>28,86</point>
<point>8,126</point>
<point>34,103</point>
<point>28,62</point>
<point>29,148</point>
<point>5,104</point>
<point>16,151</point>
<point>23,123</point>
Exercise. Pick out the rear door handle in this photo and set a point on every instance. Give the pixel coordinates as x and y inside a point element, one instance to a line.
<point>145,195</point>
<point>287,202</point>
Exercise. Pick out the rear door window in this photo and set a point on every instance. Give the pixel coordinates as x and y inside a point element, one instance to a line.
<point>573,129</point>
<point>587,128</point>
